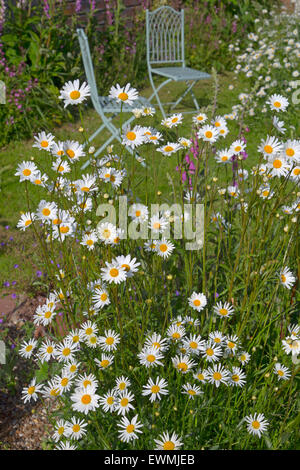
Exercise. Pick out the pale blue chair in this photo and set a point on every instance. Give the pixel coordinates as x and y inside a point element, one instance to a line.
<point>165,53</point>
<point>103,104</point>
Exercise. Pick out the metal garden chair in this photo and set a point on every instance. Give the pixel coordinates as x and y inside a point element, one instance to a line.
<point>103,104</point>
<point>165,45</point>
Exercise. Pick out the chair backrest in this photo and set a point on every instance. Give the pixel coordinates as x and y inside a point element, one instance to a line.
<point>88,67</point>
<point>165,36</point>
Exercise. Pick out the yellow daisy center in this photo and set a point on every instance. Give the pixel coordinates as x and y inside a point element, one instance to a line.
<point>86,399</point>
<point>123,96</point>
<point>169,445</point>
<point>75,94</point>
<point>131,135</point>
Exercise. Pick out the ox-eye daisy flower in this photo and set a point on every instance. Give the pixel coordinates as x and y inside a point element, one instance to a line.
<point>169,148</point>
<point>43,141</point>
<point>191,390</point>
<point>122,383</point>
<point>89,240</point>
<point>183,363</point>
<point>291,151</point>
<point>113,273</point>
<point>129,429</point>
<point>164,248</point>
<point>175,332</point>
<point>26,171</point>
<point>123,403</point>
<point>138,212</point>
<point>86,380</point>
<point>73,93</point>
<point>244,357</point>
<point>211,351</point>
<point>156,340</point>
<point>100,298</point>
<point>167,442</point>
<point>157,224</point>
<point>291,345</point>
<point>65,446</point>
<point>232,343</point>
<point>217,375</point>
<point>281,371</point>
<point>108,401</point>
<point>106,361</point>
<point>237,377</point>
<point>124,94</point>
<point>31,392</point>
<point>200,118</point>
<point>287,278</point>
<point>201,375</point>
<point>27,348</point>
<point>278,166</point>
<point>85,400</point>
<point>277,103</point>
<point>175,119</point>
<point>197,301</point>
<point>129,264</point>
<point>47,351</point>
<point>61,430</point>
<point>76,428</point>
<point>257,424</point>
<point>270,146</point>
<point>66,350</point>
<point>150,357</point>
<point>133,137</point>
<point>155,389</point>
<point>193,344</point>
<point>223,310</point>
<point>208,133</point>
<point>237,146</point>
<point>25,221</point>
<point>109,341</point>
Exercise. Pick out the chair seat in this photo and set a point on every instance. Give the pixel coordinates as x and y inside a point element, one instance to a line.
<point>110,105</point>
<point>179,74</point>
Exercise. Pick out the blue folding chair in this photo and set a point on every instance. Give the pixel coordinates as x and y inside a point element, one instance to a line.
<point>103,104</point>
<point>165,45</point>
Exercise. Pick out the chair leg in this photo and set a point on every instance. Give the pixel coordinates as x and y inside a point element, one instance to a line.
<point>188,90</point>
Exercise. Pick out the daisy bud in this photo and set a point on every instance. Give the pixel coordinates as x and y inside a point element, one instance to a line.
<point>105,195</point>
<point>286,229</point>
<point>215,179</point>
<point>110,202</point>
<point>169,277</point>
<point>275,359</point>
<point>208,187</point>
<point>253,398</point>
<point>294,220</point>
<point>276,389</point>
<point>80,129</point>
<point>159,193</point>
<point>156,413</point>
<point>91,150</point>
<point>267,375</point>
<point>148,301</point>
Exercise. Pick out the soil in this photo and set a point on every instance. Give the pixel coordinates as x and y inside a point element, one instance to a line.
<point>22,426</point>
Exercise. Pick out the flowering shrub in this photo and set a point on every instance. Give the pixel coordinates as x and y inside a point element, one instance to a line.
<point>148,343</point>
<point>39,50</point>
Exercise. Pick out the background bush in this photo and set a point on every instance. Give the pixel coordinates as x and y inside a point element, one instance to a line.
<point>39,51</point>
